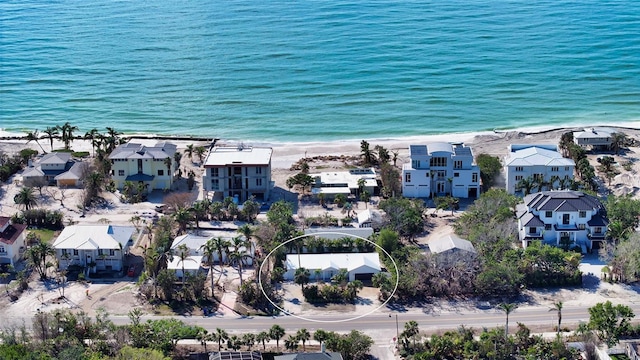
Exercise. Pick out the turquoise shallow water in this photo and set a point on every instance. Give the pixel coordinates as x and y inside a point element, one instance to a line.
<point>318,70</point>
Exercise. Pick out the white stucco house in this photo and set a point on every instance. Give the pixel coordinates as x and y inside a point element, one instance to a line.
<point>104,246</point>
<point>239,172</point>
<point>540,163</point>
<point>147,165</point>
<point>562,218</point>
<point>360,266</point>
<point>440,169</point>
<point>594,138</point>
<point>332,183</point>
<point>12,241</point>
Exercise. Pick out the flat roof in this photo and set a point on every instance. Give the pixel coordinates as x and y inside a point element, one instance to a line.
<point>238,155</point>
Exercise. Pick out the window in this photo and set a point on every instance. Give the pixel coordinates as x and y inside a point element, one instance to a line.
<point>548,214</point>
<point>75,252</point>
<point>533,230</point>
<point>597,230</point>
<point>457,164</point>
<point>538,177</point>
<point>100,252</point>
<point>120,172</point>
<point>555,169</point>
<point>566,168</point>
<point>427,174</point>
<point>438,161</point>
<point>258,170</point>
<point>547,226</point>
<point>160,172</point>
<point>519,168</point>
<point>581,226</point>
<point>112,252</point>
<point>64,252</point>
<point>215,172</point>
<point>518,177</point>
<point>583,214</point>
<point>415,164</point>
<point>215,183</point>
<point>474,177</point>
<point>565,219</point>
<point>407,177</point>
<point>2,250</point>
<point>258,182</point>
<point>455,174</point>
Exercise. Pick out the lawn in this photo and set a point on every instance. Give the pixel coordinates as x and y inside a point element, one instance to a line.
<point>44,234</point>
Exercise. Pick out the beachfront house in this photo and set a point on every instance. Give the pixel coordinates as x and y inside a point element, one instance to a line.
<point>56,168</point>
<point>150,166</point>
<point>239,172</point>
<point>562,218</point>
<point>12,241</point>
<point>351,182</point>
<point>440,169</point>
<point>95,247</point>
<point>359,266</point>
<point>542,167</point>
<point>594,138</point>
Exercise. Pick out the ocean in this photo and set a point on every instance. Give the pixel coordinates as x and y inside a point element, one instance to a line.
<point>298,71</point>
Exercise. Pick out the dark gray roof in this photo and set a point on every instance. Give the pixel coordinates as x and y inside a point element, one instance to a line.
<point>530,220</point>
<point>565,200</point>
<point>310,356</point>
<point>462,150</point>
<point>598,220</point>
<point>235,355</point>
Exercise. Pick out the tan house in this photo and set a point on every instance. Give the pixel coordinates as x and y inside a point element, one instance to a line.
<point>12,241</point>
<point>148,165</point>
<point>55,168</point>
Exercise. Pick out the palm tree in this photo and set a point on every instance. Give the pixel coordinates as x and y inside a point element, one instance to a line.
<point>177,157</point>
<point>200,150</point>
<point>616,231</point>
<point>37,255</point>
<point>183,254</point>
<point>249,339</point>
<point>262,337</point>
<point>91,135</point>
<point>304,336</point>
<point>52,132</point>
<point>26,198</point>
<point>411,331</point>
<point>320,336</point>
<point>291,343</point>
<point>508,309</point>
<point>209,249</point>
<point>276,332</point>
<point>526,185</point>
<point>221,245</point>
<point>168,163</point>
<point>189,151</point>
<point>367,154</point>
<point>66,133</point>
<point>220,335</point>
<point>34,136</point>
<point>617,141</point>
<point>183,217</point>
<point>557,307</point>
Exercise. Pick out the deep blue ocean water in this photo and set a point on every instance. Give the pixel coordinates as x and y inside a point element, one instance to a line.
<point>318,70</point>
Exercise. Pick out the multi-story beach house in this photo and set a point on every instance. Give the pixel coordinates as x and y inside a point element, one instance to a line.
<point>152,166</point>
<point>594,138</point>
<point>440,169</point>
<point>12,241</point>
<point>541,165</point>
<point>348,182</point>
<point>562,218</point>
<point>239,172</point>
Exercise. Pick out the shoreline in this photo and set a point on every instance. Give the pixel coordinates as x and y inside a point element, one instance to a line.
<point>527,130</point>
<point>287,153</point>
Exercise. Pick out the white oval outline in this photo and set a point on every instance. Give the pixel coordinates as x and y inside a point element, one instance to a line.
<point>328,321</point>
